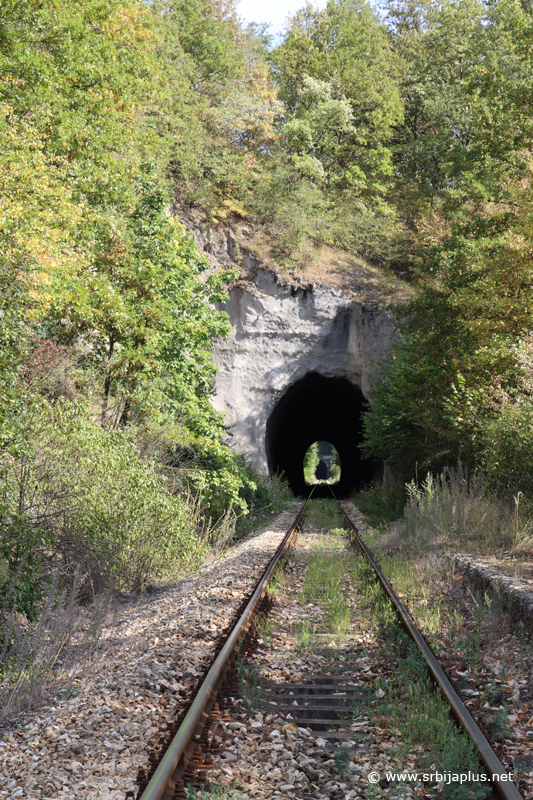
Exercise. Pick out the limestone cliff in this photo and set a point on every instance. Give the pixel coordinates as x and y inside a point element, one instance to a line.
<point>282,331</point>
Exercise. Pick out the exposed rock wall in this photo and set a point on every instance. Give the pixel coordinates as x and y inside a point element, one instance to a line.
<point>281,332</point>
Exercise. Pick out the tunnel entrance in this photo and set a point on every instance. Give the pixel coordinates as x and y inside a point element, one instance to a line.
<point>319,409</point>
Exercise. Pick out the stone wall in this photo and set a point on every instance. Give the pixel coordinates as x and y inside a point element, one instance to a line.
<point>511,595</point>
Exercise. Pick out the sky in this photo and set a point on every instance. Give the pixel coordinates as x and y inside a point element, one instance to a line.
<point>272,11</point>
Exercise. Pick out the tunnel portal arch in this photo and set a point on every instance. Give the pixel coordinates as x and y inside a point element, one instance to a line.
<point>318,408</point>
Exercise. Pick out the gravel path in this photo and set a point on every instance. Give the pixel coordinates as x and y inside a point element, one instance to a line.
<point>92,745</point>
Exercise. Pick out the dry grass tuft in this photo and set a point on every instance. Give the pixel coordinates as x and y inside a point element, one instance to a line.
<point>456,509</point>
<point>51,654</point>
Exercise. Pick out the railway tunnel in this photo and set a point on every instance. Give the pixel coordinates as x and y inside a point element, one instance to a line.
<point>295,369</point>
<point>318,408</point>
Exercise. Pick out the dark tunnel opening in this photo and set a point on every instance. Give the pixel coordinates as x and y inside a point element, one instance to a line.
<point>314,409</point>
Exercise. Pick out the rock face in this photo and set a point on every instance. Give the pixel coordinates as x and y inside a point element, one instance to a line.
<point>296,367</point>
<point>281,333</point>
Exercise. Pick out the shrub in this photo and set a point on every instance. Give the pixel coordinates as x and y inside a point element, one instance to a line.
<point>24,577</point>
<point>380,505</point>
<point>270,494</point>
<point>508,447</point>
<point>104,505</point>
<point>52,650</point>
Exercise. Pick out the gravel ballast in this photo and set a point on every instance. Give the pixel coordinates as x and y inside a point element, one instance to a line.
<point>266,755</point>
<point>91,745</point>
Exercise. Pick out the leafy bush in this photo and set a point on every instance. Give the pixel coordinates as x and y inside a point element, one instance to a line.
<point>53,649</point>
<point>105,506</point>
<point>24,577</point>
<point>380,505</point>
<point>270,495</point>
<point>508,450</point>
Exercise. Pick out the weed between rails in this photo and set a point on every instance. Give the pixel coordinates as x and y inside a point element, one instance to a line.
<point>306,639</point>
<point>217,791</point>
<point>325,582</point>
<point>404,701</point>
<point>248,680</point>
<point>473,634</point>
<point>323,514</point>
<point>343,761</point>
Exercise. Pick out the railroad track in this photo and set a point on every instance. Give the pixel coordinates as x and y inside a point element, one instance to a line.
<point>188,751</point>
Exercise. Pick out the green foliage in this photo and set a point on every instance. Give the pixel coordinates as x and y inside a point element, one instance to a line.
<point>410,703</point>
<point>324,582</point>
<point>314,455</point>
<point>311,463</point>
<point>335,471</point>
<point>343,761</point>
<point>500,726</point>
<point>249,687</point>
<point>380,505</point>
<point>98,500</point>
<point>36,215</point>
<point>346,42</point>
<point>143,309</point>
<point>90,257</point>
<point>212,104</point>
<point>456,355</point>
<point>508,447</point>
<point>329,178</point>
<point>457,361</point>
<point>406,141</point>
<point>323,513</point>
<point>68,74</point>
<point>217,791</point>
<point>440,45</point>
<point>24,578</point>
<point>457,508</point>
<point>261,496</point>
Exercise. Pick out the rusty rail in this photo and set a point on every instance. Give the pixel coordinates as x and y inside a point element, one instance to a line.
<point>501,784</point>
<point>180,751</point>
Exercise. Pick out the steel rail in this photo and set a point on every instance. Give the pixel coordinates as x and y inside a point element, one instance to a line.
<point>163,776</point>
<point>501,784</point>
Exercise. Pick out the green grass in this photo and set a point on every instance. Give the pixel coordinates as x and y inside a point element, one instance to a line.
<point>343,761</point>
<point>272,496</point>
<point>323,513</point>
<point>408,701</point>
<point>248,679</point>
<point>306,641</point>
<point>404,574</point>
<point>324,583</point>
<point>380,506</point>
<point>279,580</point>
<point>217,790</point>
<point>265,629</point>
